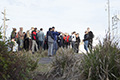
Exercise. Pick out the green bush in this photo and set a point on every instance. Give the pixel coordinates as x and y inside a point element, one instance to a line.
<point>103,62</point>
<point>15,66</point>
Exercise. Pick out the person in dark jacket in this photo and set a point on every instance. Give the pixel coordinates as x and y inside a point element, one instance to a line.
<point>13,38</point>
<point>91,36</point>
<point>55,45</point>
<point>77,43</point>
<point>26,37</point>
<point>34,38</point>
<point>50,38</point>
<point>86,38</point>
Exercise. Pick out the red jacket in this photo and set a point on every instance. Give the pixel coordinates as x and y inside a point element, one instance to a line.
<point>66,38</point>
<point>34,35</point>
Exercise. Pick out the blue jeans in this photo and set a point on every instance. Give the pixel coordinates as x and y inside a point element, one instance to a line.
<point>21,43</point>
<point>86,45</point>
<point>55,47</point>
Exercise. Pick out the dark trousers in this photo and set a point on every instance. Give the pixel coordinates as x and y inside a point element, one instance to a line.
<point>30,44</point>
<point>40,45</point>
<point>77,47</point>
<point>73,45</point>
<point>26,44</point>
<point>66,44</point>
<point>90,44</point>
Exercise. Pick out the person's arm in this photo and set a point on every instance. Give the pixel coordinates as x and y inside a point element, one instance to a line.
<point>57,33</point>
<point>43,36</point>
<point>21,34</point>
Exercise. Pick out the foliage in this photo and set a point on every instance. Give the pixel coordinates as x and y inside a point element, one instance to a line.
<point>103,62</point>
<point>65,65</point>
<point>15,65</point>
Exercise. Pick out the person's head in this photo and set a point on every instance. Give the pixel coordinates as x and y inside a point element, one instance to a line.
<point>88,29</point>
<point>53,28</point>
<point>74,32</point>
<point>41,29</point>
<point>21,28</point>
<point>77,34</point>
<point>32,28</point>
<point>27,31</point>
<point>50,29</point>
<point>86,32</point>
<point>23,32</point>
<point>14,29</point>
<point>38,31</point>
<point>67,34</point>
<point>35,29</point>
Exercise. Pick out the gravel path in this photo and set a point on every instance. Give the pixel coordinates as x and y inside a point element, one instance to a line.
<point>45,60</point>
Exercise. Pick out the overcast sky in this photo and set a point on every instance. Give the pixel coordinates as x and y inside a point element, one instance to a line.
<point>65,15</point>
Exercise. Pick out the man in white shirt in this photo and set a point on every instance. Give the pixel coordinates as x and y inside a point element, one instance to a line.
<point>73,40</point>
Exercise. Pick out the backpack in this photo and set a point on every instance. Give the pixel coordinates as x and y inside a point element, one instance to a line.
<point>70,39</point>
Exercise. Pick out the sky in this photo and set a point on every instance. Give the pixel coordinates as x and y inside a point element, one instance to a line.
<point>64,15</point>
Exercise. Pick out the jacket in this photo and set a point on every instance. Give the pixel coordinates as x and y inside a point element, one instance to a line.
<point>86,37</point>
<point>66,38</point>
<point>90,35</point>
<point>13,35</point>
<point>40,36</point>
<point>20,35</point>
<point>34,35</point>
<point>55,34</point>
<point>77,40</point>
<point>50,36</point>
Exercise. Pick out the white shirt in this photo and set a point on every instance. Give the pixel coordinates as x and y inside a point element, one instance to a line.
<point>73,37</point>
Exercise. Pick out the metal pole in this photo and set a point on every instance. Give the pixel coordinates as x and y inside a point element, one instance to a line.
<point>4,25</point>
<point>109,18</point>
<point>113,26</point>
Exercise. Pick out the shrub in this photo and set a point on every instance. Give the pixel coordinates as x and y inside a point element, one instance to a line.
<point>103,62</point>
<point>15,66</point>
<point>65,65</point>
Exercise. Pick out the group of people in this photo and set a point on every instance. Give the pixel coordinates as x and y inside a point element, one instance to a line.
<point>35,40</point>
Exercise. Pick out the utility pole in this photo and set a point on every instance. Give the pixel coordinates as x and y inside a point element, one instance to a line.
<point>4,20</point>
<point>109,18</point>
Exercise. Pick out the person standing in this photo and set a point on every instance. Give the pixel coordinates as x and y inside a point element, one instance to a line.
<point>91,36</point>
<point>41,38</point>
<point>66,40</point>
<point>13,38</point>
<point>21,37</point>
<point>55,45</point>
<point>73,40</point>
<point>86,38</point>
<point>30,38</point>
<point>27,37</point>
<point>77,43</point>
<point>34,38</point>
<point>50,39</point>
